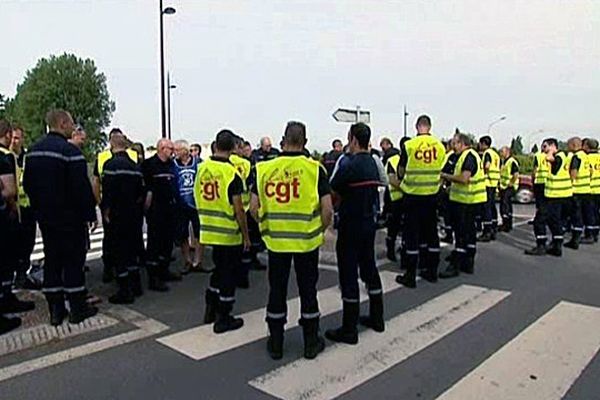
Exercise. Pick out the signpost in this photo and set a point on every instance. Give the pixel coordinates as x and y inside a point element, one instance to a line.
<point>352,116</point>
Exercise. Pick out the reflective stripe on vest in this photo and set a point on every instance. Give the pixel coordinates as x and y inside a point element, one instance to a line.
<point>395,192</point>
<point>473,192</point>
<point>542,169</point>
<point>506,175</point>
<point>425,161</point>
<point>559,185</point>
<point>106,155</point>
<point>218,225</point>
<point>594,160</point>
<point>492,177</point>
<point>290,207</point>
<point>581,184</point>
<point>243,167</point>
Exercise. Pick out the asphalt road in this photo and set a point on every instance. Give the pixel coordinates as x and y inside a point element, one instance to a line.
<point>519,328</point>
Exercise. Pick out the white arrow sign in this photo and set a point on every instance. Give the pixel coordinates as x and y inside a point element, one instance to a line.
<point>347,115</point>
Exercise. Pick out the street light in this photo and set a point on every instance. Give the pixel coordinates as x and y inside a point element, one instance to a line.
<point>169,87</point>
<point>502,118</point>
<point>162,12</point>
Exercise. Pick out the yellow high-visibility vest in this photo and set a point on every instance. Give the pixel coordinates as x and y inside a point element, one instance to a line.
<point>243,167</point>
<point>594,160</point>
<point>290,207</point>
<point>426,156</point>
<point>506,175</point>
<point>218,225</point>
<point>543,167</point>
<point>22,198</point>
<point>106,155</point>
<point>395,192</point>
<point>473,192</point>
<point>581,184</point>
<point>492,177</point>
<point>559,185</point>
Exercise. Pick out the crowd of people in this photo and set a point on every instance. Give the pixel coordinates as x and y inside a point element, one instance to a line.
<point>241,201</point>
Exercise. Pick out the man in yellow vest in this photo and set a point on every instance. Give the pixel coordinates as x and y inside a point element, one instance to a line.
<point>509,184</point>
<point>541,169</point>
<point>292,202</point>
<point>445,207</point>
<point>580,176</point>
<point>467,194</point>
<point>592,209</point>
<point>491,168</point>
<point>108,240</point>
<point>421,162</point>
<point>218,193</point>
<point>395,206</point>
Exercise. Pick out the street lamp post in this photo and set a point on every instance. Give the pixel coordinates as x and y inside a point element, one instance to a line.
<point>502,118</point>
<point>169,88</point>
<point>163,11</point>
<point>405,117</point>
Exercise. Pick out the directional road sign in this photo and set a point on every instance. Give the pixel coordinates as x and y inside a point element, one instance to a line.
<point>347,115</point>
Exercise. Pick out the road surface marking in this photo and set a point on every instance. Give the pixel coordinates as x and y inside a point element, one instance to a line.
<point>341,368</point>
<point>146,327</point>
<point>200,342</point>
<point>95,244</point>
<point>542,362</point>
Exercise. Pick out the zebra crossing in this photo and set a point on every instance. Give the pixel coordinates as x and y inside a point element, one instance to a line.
<point>541,362</point>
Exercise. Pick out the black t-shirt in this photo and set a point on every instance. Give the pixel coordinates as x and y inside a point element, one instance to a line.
<point>514,169</point>
<point>470,164</point>
<point>555,165</point>
<point>323,186</point>
<point>7,163</point>
<point>487,158</point>
<point>575,163</point>
<point>236,187</point>
<point>448,168</point>
<point>403,156</point>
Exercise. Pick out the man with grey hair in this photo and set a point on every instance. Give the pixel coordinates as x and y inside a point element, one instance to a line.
<point>185,168</point>
<point>265,151</point>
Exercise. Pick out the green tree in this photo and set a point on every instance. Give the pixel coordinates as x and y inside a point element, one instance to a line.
<point>516,145</point>
<point>4,105</point>
<point>534,149</point>
<point>66,82</point>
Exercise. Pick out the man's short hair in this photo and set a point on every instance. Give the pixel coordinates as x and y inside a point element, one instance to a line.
<point>115,131</point>
<point>424,120</point>
<point>182,143</point>
<point>5,128</point>
<point>551,142</point>
<point>247,143</point>
<point>336,141</point>
<point>295,134</point>
<point>591,143</point>
<point>463,138</point>
<point>486,140</point>
<point>362,133</point>
<point>386,140</point>
<point>225,140</point>
<point>55,117</point>
<point>196,146</point>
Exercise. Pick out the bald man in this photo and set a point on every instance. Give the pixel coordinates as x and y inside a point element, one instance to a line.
<point>509,183</point>
<point>581,173</point>
<point>265,151</point>
<point>56,180</point>
<point>159,206</point>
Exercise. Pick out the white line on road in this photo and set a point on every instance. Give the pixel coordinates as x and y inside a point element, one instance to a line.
<point>200,342</point>
<point>146,327</point>
<point>94,255</point>
<point>341,368</point>
<point>542,362</point>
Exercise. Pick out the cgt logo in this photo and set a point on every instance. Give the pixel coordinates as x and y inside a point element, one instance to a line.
<point>210,190</point>
<point>283,192</point>
<point>426,154</point>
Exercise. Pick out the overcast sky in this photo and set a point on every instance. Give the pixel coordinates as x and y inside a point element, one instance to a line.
<point>253,65</point>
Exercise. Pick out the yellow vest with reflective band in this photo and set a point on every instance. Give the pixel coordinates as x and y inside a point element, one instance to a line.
<point>22,198</point>
<point>395,193</point>
<point>581,184</point>
<point>505,174</point>
<point>218,225</point>
<point>106,155</point>
<point>559,185</point>
<point>243,167</point>
<point>492,177</point>
<point>594,160</point>
<point>290,207</point>
<point>473,192</point>
<point>426,156</point>
<point>543,167</point>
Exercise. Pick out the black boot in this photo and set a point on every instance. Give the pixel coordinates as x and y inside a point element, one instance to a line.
<point>485,237</point>
<point>390,245</point>
<point>538,250</point>
<point>556,248</point>
<point>124,294</point>
<point>452,270</point>
<point>80,310</point>
<point>135,280</point>
<point>430,273</point>
<point>226,322</point>
<point>375,319</point>
<point>468,266</point>
<point>8,324</point>
<point>275,341</point>
<point>210,312</point>
<point>10,304</point>
<point>107,273</point>
<point>56,306</point>
<point>155,283</point>
<point>409,279</point>
<point>313,342</point>
<point>347,333</point>
<point>574,242</point>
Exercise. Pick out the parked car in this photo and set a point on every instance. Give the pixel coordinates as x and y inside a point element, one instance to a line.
<point>524,194</point>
